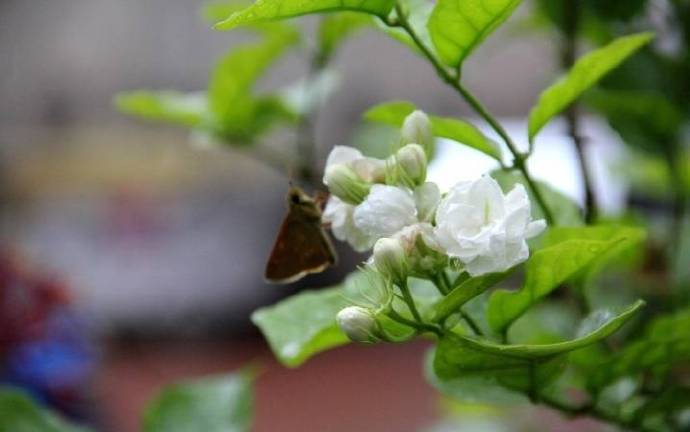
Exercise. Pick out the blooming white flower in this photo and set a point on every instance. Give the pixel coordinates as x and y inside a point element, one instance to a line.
<point>358,323</point>
<point>484,228</point>
<point>385,211</point>
<point>367,168</point>
<point>339,215</point>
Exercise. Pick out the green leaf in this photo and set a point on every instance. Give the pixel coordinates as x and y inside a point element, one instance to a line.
<point>521,367</point>
<point>588,70</point>
<point>19,413</point>
<point>565,211</point>
<point>218,10</point>
<point>184,109</point>
<point>269,10</point>
<point>394,113</point>
<point>465,292</point>
<point>630,239</point>
<point>595,327</point>
<point>664,343</point>
<point>335,28</point>
<point>547,269</point>
<point>214,404</point>
<point>456,360</point>
<point>470,388</point>
<point>303,325</point>
<point>231,104</point>
<point>418,13</point>
<point>457,27</point>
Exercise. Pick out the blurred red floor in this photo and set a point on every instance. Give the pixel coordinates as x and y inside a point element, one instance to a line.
<point>355,388</point>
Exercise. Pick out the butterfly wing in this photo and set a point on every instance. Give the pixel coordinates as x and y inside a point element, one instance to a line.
<point>302,247</point>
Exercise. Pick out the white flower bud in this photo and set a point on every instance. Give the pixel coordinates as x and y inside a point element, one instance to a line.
<point>344,183</point>
<point>411,161</point>
<point>390,259</point>
<point>358,323</point>
<point>416,129</point>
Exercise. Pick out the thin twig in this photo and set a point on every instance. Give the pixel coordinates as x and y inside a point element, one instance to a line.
<point>569,52</point>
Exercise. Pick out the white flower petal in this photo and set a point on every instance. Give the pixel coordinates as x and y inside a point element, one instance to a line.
<point>483,228</point>
<point>385,211</point>
<point>535,228</point>
<point>343,155</point>
<point>427,197</point>
<point>340,216</point>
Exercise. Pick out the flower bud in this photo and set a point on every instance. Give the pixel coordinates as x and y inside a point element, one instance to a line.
<point>359,324</point>
<point>344,183</point>
<point>416,129</point>
<point>411,161</point>
<point>390,259</point>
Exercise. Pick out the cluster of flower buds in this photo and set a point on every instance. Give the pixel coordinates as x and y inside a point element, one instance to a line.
<point>413,228</point>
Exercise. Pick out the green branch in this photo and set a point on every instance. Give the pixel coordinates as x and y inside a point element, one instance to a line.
<point>453,80</point>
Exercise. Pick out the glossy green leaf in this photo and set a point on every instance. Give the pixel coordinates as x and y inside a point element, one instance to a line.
<point>518,366</point>
<point>465,292</point>
<point>588,70</point>
<point>457,27</point>
<point>394,113</point>
<point>629,245</point>
<point>566,212</point>
<point>303,325</point>
<point>456,360</point>
<point>214,404</point>
<point>218,10</point>
<point>184,109</point>
<point>269,10</point>
<point>19,413</point>
<point>545,271</point>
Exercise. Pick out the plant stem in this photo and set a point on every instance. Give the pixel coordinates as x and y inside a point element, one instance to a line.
<point>407,297</point>
<point>453,80</point>
<point>675,165</point>
<point>472,323</point>
<point>306,133</point>
<point>569,52</point>
<point>420,326</point>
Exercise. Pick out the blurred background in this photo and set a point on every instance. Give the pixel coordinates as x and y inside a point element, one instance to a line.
<point>140,256</point>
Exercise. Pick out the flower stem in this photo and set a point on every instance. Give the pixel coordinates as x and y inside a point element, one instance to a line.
<point>453,80</point>
<point>417,325</point>
<point>407,297</point>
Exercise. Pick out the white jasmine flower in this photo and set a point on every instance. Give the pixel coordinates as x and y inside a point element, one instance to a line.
<point>368,169</point>
<point>484,228</point>
<point>339,215</point>
<point>358,323</point>
<point>385,211</point>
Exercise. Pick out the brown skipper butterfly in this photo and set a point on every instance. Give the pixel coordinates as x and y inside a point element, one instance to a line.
<point>302,246</point>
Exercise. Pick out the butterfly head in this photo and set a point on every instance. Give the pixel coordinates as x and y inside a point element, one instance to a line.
<point>299,201</point>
